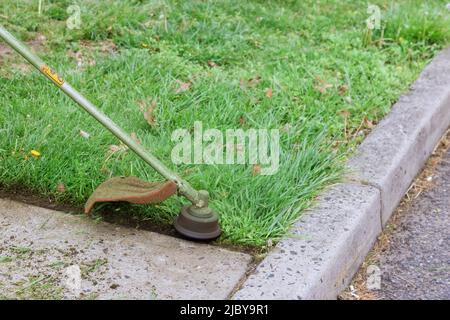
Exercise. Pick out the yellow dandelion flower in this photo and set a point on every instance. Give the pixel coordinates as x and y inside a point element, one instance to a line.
<point>35,153</point>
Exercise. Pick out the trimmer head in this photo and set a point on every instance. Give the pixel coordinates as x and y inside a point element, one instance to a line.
<point>198,223</point>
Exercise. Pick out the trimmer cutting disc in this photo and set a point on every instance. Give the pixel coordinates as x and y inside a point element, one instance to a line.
<point>194,227</point>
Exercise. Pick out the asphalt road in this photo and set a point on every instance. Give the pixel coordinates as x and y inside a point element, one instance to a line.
<point>416,264</point>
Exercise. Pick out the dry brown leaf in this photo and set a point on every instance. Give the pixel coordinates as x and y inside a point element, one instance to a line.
<point>212,64</point>
<point>342,89</point>
<point>269,93</point>
<point>256,169</point>
<point>116,148</point>
<point>242,120</point>
<point>253,82</point>
<point>344,113</point>
<point>148,111</point>
<point>322,86</point>
<point>368,123</point>
<point>183,86</point>
<point>60,187</point>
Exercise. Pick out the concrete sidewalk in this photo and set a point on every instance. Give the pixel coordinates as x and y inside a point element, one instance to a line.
<point>42,251</point>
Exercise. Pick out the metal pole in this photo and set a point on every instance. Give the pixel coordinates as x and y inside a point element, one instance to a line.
<point>184,188</point>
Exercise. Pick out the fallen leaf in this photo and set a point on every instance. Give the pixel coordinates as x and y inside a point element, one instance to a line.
<point>368,123</point>
<point>242,120</point>
<point>342,89</point>
<point>344,113</point>
<point>212,64</point>
<point>269,93</point>
<point>60,187</point>
<point>183,86</point>
<point>148,111</point>
<point>256,169</point>
<point>253,82</point>
<point>322,86</point>
<point>116,148</point>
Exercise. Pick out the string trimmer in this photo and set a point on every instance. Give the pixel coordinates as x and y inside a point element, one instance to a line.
<point>197,221</point>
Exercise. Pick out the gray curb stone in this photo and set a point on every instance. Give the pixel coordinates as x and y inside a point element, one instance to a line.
<point>323,250</point>
<point>326,246</point>
<point>392,155</point>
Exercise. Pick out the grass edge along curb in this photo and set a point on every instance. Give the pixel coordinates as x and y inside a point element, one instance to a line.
<point>327,245</point>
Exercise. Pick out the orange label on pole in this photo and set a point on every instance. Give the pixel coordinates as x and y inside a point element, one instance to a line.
<point>52,75</point>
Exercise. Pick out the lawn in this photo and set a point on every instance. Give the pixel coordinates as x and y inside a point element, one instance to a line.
<point>311,69</point>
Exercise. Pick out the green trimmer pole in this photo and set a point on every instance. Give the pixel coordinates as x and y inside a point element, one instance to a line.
<point>195,221</point>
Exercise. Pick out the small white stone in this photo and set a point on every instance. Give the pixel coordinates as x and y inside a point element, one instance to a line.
<point>72,279</point>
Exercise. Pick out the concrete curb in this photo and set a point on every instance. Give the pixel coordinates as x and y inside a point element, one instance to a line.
<point>330,241</point>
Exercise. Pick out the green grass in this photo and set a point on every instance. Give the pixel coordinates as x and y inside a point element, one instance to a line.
<point>331,78</point>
